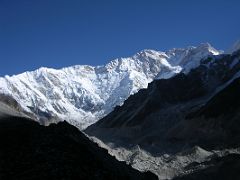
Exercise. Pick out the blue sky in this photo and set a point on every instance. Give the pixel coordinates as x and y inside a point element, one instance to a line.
<point>59,33</point>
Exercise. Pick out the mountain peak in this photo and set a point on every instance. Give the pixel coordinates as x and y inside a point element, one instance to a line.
<point>210,48</point>
<point>149,53</point>
<point>206,44</point>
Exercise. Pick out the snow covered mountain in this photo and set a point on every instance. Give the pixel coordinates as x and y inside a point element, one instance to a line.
<point>83,94</point>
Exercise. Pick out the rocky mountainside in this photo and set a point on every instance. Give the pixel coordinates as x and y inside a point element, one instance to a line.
<point>83,94</point>
<point>59,151</point>
<point>175,126</point>
<point>226,167</point>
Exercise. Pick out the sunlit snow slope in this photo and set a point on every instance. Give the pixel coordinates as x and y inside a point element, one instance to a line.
<point>83,94</point>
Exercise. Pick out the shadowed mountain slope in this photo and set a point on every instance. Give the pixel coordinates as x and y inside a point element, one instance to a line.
<point>178,121</point>
<point>151,115</point>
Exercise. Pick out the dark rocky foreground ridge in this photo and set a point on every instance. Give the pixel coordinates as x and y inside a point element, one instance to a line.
<point>59,151</point>
<point>181,124</point>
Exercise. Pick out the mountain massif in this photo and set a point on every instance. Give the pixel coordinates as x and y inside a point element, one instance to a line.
<point>83,94</point>
<point>174,113</point>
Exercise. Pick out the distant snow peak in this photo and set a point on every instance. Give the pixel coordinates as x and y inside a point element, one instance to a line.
<point>83,94</point>
<point>210,48</point>
<point>235,47</point>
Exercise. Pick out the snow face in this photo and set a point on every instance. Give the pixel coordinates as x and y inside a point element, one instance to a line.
<point>83,94</point>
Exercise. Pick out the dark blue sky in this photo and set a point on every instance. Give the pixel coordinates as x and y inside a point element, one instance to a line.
<point>58,33</point>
